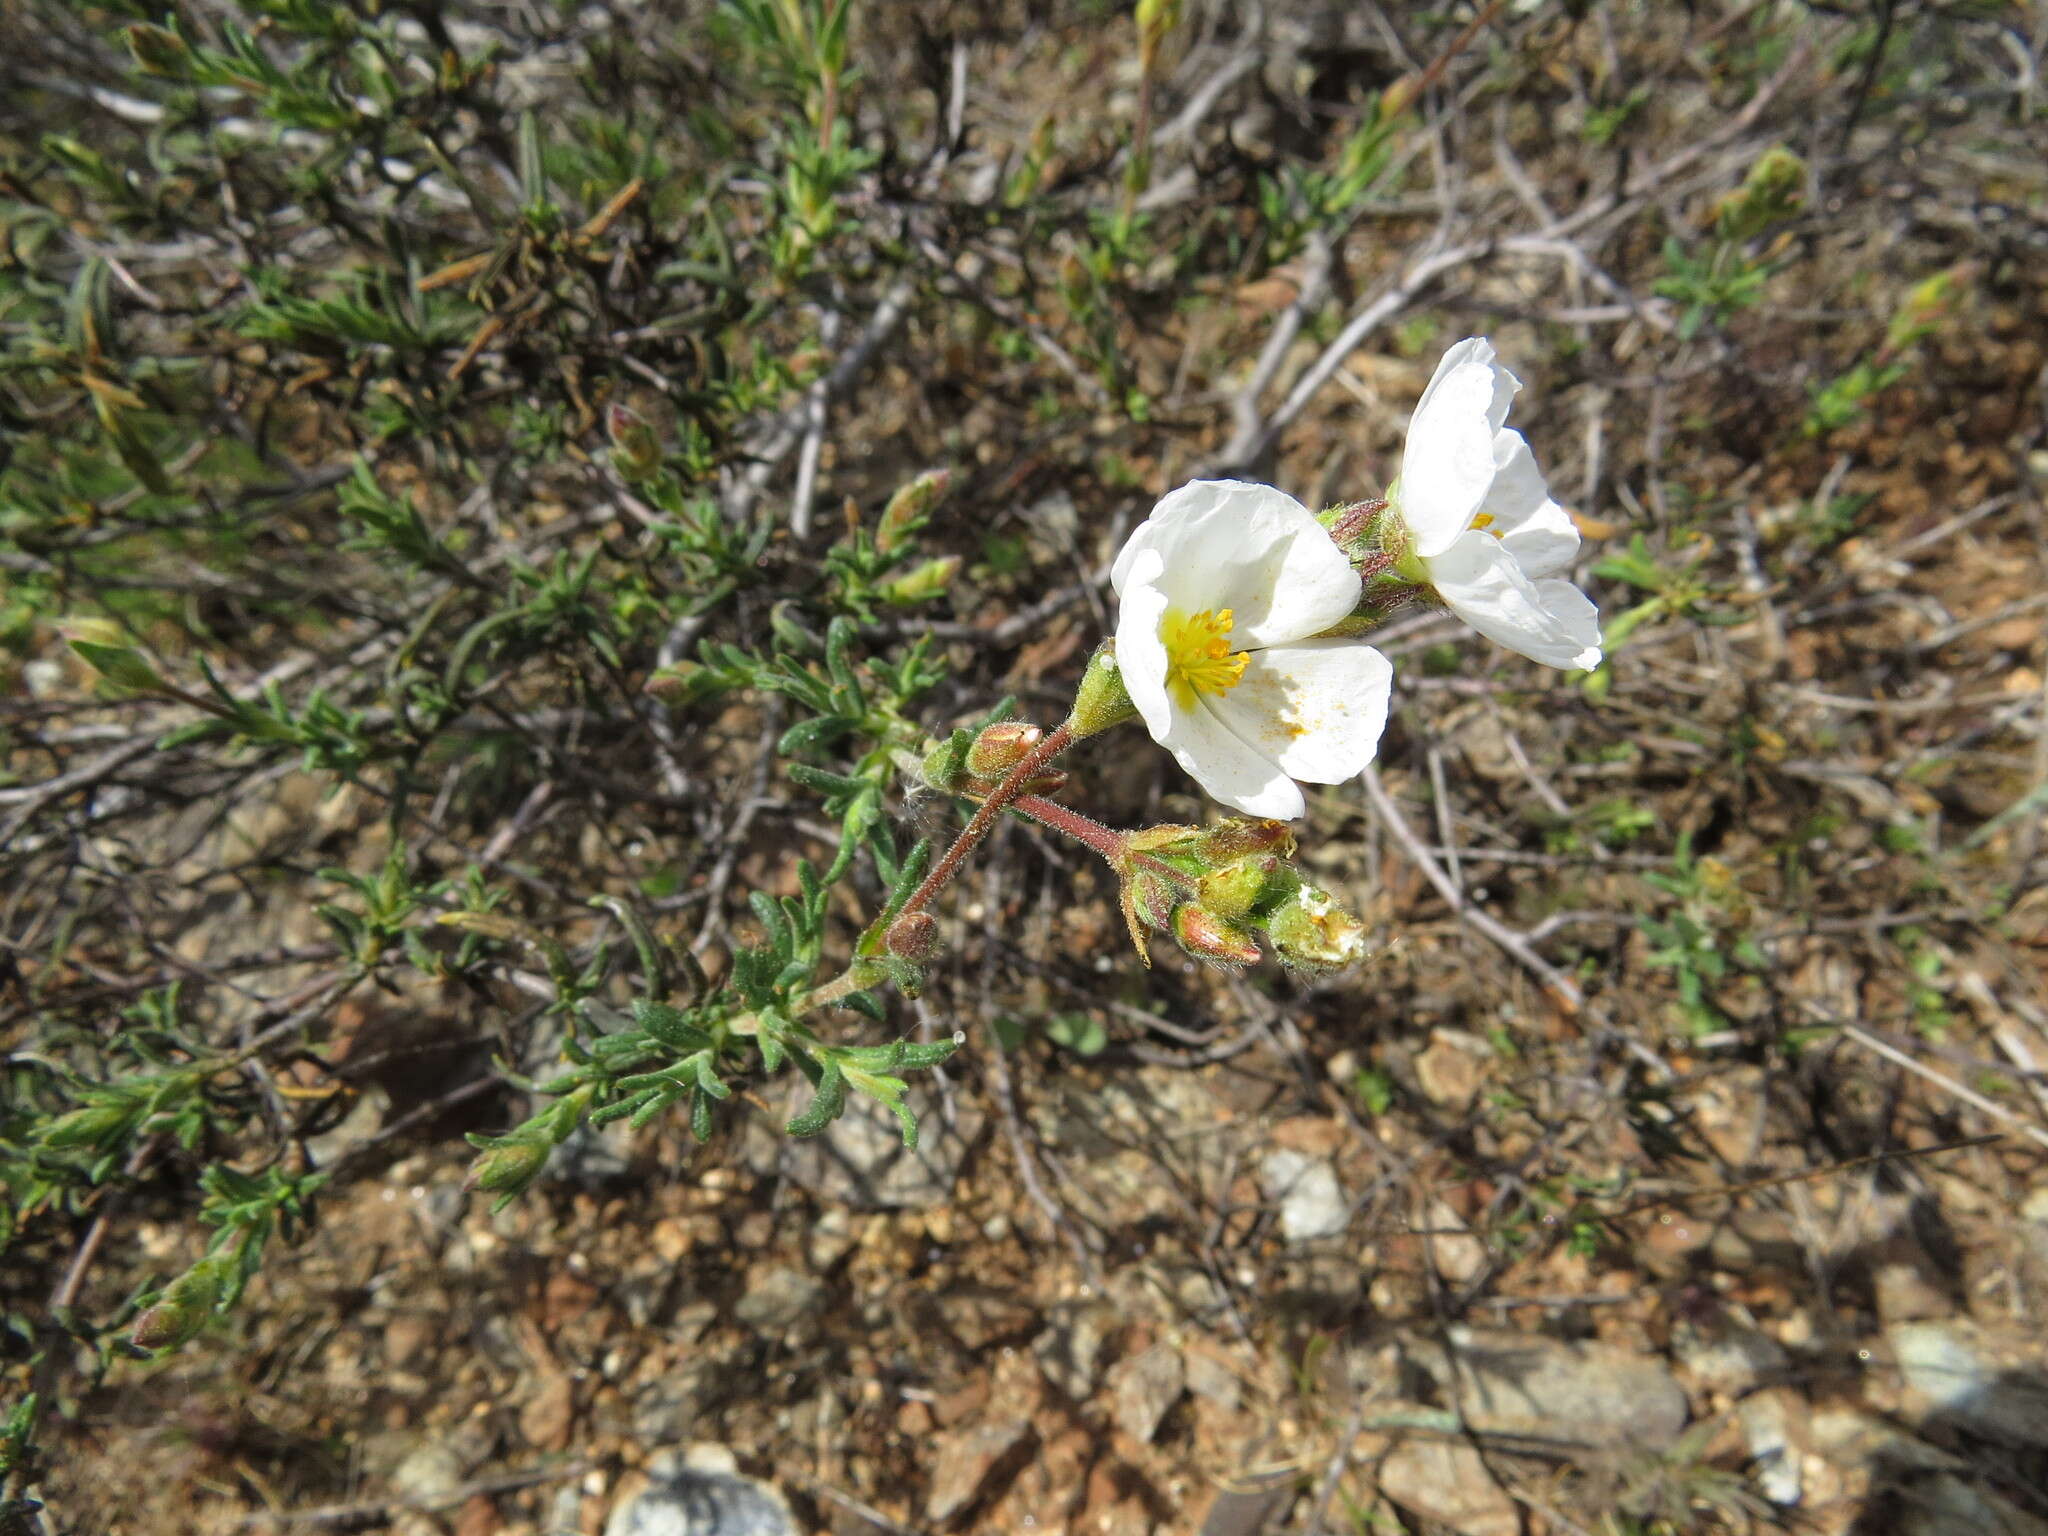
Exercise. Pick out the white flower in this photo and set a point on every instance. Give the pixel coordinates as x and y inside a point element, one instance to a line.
<point>1480,519</point>
<point>1221,589</point>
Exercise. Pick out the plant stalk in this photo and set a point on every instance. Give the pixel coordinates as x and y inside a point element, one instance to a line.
<point>985,818</point>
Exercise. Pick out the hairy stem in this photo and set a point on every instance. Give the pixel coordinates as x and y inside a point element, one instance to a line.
<point>984,819</point>
<point>1068,822</point>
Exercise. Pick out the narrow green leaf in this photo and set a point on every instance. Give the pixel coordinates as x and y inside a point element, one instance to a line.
<point>826,1105</point>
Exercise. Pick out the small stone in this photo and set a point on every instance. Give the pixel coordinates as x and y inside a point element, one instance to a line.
<point>645,1296</point>
<point>1451,1069</point>
<point>1550,1389</point>
<point>1773,1426</point>
<point>1941,1364</point>
<point>1312,1203</point>
<point>1450,1483</point>
<point>1456,1255</point>
<point>406,1335</point>
<point>1071,1348</point>
<point>1730,1358</point>
<point>1210,1378</point>
<point>1963,1376</point>
<point>704,1496</point>
<point>565,1510</point>
<point>1249,1506</point>
<point>969,1463</point>
<point>692,1321</point>
<point>780,1300</point>
<point>1904,1294</point>
<point>592,1158</point>
<point>1146,1390</point>
<point>545,1417</point>
<point>1859,1440</point>
<point>669,1408</point>
<point>478,1517</point>
<point>429,1475</point>
<point>978,1318</point>
<point>365,1118</point>
<point>859,1161</point>
<point>831,1238</point>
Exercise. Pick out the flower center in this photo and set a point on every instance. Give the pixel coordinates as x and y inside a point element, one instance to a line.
<point>1198,656</point>
<point>1484,523</point>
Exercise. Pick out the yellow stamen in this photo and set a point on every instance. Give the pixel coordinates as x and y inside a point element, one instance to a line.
<point>1198,658</point>
<point>1484,520</point>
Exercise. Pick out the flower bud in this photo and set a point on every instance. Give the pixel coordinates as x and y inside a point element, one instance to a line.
<point>1001,747</point>
<point>910,508</point>
<point>157,51</point>
<point>103,646</point>
<point>923,583</point>
<point>1200,851</point>
<point>1210,939</point>
<point>182,1310</point>
<point>1243,837</point>
<point>1152,897</point>
<point>682,683</point>
<point>508,1167</point>
<point>1355,526</point>
<point>1235,889</point>
<point>636,446</point>
<point>914,937</point>
<point>1101,701</point>
<point>1774,190</point>
<point>1155,19</point>
<point>1312,933</point>
<point>1399,97</point>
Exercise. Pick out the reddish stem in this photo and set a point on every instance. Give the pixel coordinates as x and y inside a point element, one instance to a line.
<point>1113,845</point>
<point>1000,799</point>
<point>1069,822</point>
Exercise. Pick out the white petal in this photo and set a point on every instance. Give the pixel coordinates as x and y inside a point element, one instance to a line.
<point>1477,349</point>
<point>1473,349</point>
<point>1536,530</point>
<point>1249,548</point>
<point>1227,768</point>
<point>1316,707</point>
<point>1549,621</point>
<point>1140,653</point>
<point>1576,615</point>
<point>1447,465</point>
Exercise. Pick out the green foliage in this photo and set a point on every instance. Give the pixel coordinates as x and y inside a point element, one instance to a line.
<point>409,336</point>
<point>1303,200</point>
<point>1702,938</point>
<point>1675,588</point>
<point>1845,399</point>
<point>1725,275</point>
